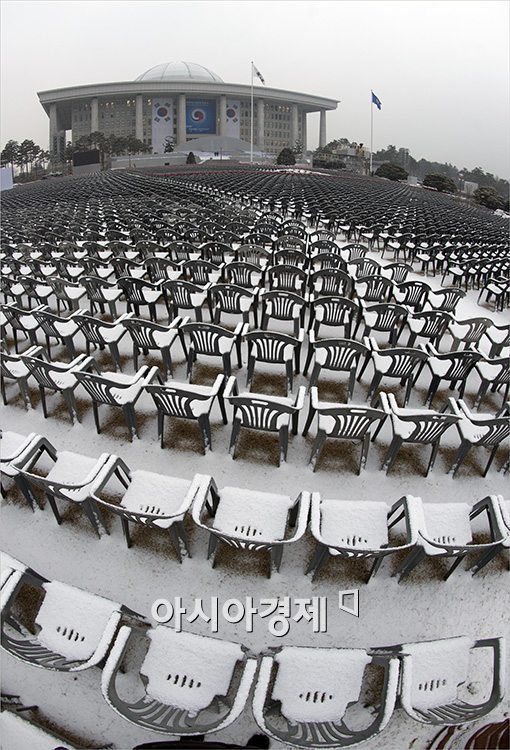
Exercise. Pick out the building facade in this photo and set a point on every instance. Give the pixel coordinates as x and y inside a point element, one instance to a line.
<point>182,101</point>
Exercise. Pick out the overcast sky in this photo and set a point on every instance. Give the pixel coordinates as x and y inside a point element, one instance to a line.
<point>440,69</point>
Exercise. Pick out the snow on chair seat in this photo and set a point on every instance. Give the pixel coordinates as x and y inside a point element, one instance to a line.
<point>446,530</point>
<point>117,389</point>
<point>350,422</point>
<point>154,500</point>
<point>19,452</point>
<point>432,673</point>
<point>337,355</point>
<point>74,629</point>
<point>192,684</point>
<point>499,511</point>
<point>248,519</point>
<point>58,377</point>
<point>422,426</point>
<point>487,430</point>
<point>257,411</point>
<point>302,696</point>
<point>72,478</point>
<point>186,401</point>
<point>357,529</point>
<point>13,368</point>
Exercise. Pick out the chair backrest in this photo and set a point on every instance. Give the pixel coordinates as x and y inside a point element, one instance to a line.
<point>46,373</point>
<point>460,363</point>
<point>385,316</point>
<point>286,277</point>
<point>271,346</point>
<point>354,251</point>
<point>182,292</point>
<point>412,293</point>
<point>95,288</point>
<point>470,331</point>
<point>360,267</point>
<point>282,305</point>
<point>338,354</point>
<point>373,288</point>
<point>215,252</point>
<point>231,298</point>
<point>331,281</point>
<point>158,267</point>
<point>242,273</point>
<point>259,256</point>
<point>102,389</point>
<point>435,323</point>
<point>348,422</point>
<point>207,338</point>
<point>260,412</point>
<point>397,272</point>
<point>134,289</point>
<point>176,401</point>
<point>200,271</point>
<point>398,362</point>
<point>427,428</point>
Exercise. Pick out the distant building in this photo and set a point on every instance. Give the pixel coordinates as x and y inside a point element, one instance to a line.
<point>182,101</point>
<point>469,187</point>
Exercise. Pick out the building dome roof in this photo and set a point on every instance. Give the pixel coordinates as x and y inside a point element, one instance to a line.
<point>179,71</point>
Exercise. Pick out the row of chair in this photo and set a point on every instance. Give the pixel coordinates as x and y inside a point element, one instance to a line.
<point>193,684</point>
<point>253,520</point>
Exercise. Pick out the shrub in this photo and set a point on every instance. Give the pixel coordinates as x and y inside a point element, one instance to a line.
<point>190,159</point>
<point>286,156</point>
<point>489,197</point>
<point>440,182</point>
<point>391,172</point>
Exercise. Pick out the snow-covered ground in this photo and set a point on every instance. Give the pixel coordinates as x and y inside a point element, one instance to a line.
<point>422,607</point>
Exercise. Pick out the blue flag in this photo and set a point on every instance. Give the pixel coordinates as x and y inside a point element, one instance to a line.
<point>376,101</point>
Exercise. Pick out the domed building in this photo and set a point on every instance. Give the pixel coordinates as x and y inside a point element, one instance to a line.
<point>182,101</point>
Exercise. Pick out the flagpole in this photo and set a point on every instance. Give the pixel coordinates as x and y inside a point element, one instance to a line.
<point>251,117</point>
<point>371,131</point>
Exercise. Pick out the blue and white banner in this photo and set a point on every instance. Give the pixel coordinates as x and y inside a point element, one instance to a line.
<point>162,123</point>
<point>200,117</point>
<point>233,118</point>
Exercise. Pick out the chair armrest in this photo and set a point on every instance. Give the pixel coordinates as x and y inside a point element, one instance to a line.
<point>314,397</point>
<point>216,387</point>
<point>384,402</point>
<point>302,520</point>
<point>453,406</point>
<point>315,515</point>
<point>204,483</point>
<point>300,399</point>
<point>231,388</point>
<point>86,363</point>
<point>151,375</point>
<point>124,316</point>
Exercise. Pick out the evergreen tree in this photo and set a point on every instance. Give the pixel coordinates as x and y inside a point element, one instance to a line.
<point>286,156</point>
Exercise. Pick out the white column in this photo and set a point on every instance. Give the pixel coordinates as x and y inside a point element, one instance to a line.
<point>181,118</point>
<point>223,115</point>
<point>303,131</point>
<point>139,117</point>
<point>94,115</point>
<point>293,125</point>
<point>260,124</point>
<point>52,146</point>
<point>322,129</point>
